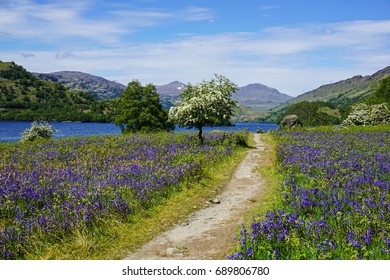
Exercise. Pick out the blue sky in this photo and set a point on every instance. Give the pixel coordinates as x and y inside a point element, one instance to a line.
<point>293,46</point>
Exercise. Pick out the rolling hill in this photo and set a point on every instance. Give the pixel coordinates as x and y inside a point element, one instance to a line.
<point>23,97</point>
<point>342,93</point>
<point>339,96</point>
<point>172,89</point>
<point>96,86</point>
<point>260,97</point>
<point>256,97</point>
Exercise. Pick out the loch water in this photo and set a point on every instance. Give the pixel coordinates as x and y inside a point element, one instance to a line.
<point>10,131</point>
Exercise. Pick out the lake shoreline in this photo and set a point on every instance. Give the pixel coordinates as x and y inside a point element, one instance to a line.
<point>10,130</point>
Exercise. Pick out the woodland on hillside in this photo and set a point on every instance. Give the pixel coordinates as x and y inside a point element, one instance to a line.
<point>23,97</point>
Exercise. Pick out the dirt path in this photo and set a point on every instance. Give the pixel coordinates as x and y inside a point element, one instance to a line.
<point>208,232</point>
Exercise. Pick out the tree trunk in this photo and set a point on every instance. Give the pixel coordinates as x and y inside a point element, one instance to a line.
<point>200,134</point>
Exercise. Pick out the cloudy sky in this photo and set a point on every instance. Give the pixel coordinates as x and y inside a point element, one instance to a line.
<point>293,46</point>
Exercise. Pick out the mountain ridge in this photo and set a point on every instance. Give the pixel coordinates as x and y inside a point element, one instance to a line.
<point>172,89</point>
<point>342,93</point>
<point>260,97</point>
<point>24,97</point>
<point>97,86</point>
<point>256,96</point>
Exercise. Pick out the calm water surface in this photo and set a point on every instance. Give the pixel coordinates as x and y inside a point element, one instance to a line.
<point>10,131</point>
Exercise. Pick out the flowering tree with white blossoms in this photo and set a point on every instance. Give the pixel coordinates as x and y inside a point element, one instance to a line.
<point>362,114</point>
<point>208,103</point>
<point>38,131</point>
<point>359,115</point>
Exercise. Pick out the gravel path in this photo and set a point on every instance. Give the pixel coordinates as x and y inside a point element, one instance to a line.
<point>208,233</point>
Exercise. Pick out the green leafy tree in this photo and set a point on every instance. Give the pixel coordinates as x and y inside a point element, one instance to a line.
<point>382,94</point>
<point>208,103</point>
<point>138,109</point>
<point>380,114</point>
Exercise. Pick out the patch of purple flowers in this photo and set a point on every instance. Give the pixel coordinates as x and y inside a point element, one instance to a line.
<point>335,199</point>
<point>59,186</point>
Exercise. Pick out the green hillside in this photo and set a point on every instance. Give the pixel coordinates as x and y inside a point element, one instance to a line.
<point>314,113</point>
<point>246,114</point>
<point>382,94</point>
<point>341,94</point>
<point>326,113</point>
<point>23,97</point>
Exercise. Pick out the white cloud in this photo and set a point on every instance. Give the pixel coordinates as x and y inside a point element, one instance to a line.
<point>51,22</point>
<point>197,14</point>
<point>291,59</point>
<point>28,55</point>
<point>67,21</point>
<point>64,55</point>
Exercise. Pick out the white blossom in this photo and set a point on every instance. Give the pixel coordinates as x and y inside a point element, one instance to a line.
<point>207,103</point>
<point>362,114</point>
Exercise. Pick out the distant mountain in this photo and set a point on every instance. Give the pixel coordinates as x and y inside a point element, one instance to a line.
<point>172,89</point>
<point>104,89</point>
<point>342,93</point>
<point>254,97</point>
<point>70,95</point>
<point>169,93</point>
<point>23,97</point>
<point>98,87</point>
<point>260,97</point>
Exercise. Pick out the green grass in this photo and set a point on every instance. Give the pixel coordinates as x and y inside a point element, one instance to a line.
<point>347,129</point>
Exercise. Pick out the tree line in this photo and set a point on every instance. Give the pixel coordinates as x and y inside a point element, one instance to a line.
<point>23,97</point>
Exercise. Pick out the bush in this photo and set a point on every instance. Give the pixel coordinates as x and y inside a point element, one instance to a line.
<point>362,114</point>
<point>38,131</point>
<point>380,114</point>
